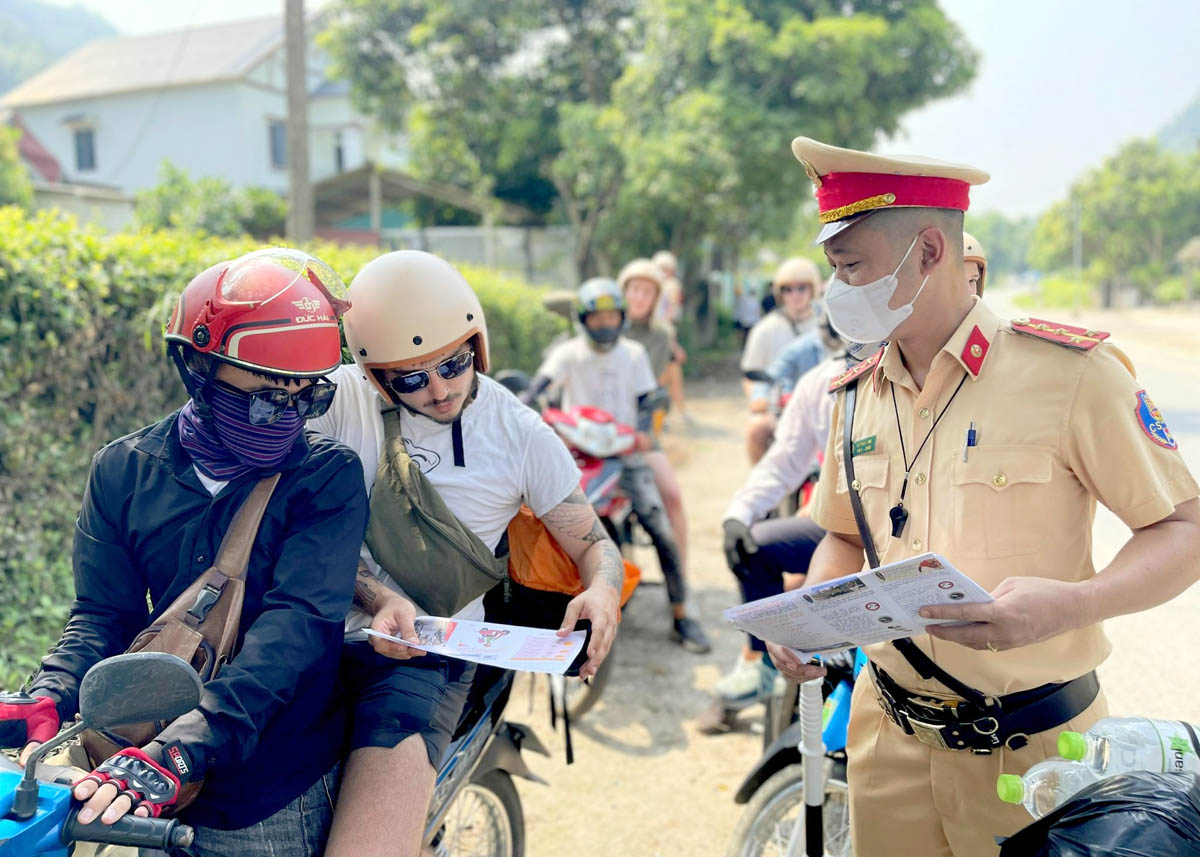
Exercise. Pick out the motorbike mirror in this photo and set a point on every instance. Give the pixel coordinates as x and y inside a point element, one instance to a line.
<point>758,375</point>
<point>515,380</point>
<point>137,687</point>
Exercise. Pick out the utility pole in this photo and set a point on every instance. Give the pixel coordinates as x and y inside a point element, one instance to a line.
<point>300,219</point>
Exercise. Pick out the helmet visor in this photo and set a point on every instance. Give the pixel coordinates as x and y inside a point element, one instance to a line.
<point>260,277</point>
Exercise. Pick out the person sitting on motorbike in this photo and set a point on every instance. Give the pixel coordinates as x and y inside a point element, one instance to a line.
<point>759,550</point>
<point>640,281</point>
<point>796,286</point>
<point>669,311</point>
<point>253,340</point>
<point>417,392</point>
<point>974,264</point>
<point>601,368</point>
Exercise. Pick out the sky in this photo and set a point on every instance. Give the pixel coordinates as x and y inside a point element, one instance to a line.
<point>1061,84</point>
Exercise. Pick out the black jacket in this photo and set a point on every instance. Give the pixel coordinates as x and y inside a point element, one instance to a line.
<point>268,725</point>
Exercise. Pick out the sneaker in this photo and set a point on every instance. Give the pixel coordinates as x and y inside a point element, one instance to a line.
<point>748,683</point>
<point>688,633</point>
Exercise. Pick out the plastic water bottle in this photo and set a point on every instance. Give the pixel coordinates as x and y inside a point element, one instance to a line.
<point>1116,745</point>
<point>1046,785</point>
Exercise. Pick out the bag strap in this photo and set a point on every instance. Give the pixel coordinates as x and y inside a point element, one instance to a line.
<point>909,650</point>
<point>233,557</point>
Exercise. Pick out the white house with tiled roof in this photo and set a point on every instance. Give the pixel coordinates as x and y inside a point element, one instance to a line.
<point>210,99</point>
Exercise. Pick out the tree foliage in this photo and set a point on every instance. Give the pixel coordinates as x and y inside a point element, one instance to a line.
<point>15,187</point>
<point>1135,212</point>
<point>651,123</point>
<point>209,205</point>
<point>1006,240</point>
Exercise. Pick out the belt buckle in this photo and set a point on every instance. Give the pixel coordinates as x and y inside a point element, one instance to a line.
<point>928,733</point>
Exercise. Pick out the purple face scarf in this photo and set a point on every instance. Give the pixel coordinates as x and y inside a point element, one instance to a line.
<point>226,445</point>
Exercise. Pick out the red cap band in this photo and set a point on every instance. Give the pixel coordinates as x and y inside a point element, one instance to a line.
<point>842,195</point>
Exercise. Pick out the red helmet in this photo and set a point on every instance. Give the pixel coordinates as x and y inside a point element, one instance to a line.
<point>273,311</point>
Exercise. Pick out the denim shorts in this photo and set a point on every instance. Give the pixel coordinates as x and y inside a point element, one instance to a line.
<point>300,829</point>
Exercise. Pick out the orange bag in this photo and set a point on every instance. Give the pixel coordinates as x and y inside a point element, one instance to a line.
<point>537,561</point>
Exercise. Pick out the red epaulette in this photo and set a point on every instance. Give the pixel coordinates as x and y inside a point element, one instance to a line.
<point>856,371</point>
<point>1081,338</point>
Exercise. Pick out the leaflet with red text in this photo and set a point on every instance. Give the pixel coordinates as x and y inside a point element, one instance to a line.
<point>873,606</point>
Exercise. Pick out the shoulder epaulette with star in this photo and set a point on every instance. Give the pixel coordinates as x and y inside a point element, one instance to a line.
<point>1081,338</point>
<point>855,371</point>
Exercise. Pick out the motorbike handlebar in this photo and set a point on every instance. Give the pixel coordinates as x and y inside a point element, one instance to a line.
<point>161,833</point>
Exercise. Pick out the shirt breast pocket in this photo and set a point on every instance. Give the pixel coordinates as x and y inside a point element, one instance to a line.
<point>871,474</point>
<point>998,491</point>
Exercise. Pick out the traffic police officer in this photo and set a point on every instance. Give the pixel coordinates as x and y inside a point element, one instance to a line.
<point>988,442</point>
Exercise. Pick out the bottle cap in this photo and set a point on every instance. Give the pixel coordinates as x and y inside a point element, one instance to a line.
<point>1072,745</point>
<point>1010,788</point>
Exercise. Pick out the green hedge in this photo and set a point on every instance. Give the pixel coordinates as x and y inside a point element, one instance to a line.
<point>81,317</point>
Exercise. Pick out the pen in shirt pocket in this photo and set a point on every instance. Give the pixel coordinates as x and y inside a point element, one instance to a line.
<point>970,440</point>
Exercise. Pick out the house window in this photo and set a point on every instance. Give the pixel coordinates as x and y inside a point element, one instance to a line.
<point>278,143</point>
<point>339,153</point>
<point>85,149</point>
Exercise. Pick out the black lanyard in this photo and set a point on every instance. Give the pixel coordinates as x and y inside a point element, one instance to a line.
<point>898,513</point>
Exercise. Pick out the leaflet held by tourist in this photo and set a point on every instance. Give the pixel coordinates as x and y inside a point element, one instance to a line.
<point>512,647</point>
<point>873,606</point>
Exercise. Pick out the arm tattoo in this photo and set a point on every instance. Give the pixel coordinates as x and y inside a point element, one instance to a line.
<point>597,534</point>
<point>611,568</point>
<point>573,518</point>
<point>574,524</point>
<point>366,591</point>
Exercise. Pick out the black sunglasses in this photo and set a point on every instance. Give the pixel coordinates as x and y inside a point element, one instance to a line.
<point>267,406</point>
<point>451,367</point>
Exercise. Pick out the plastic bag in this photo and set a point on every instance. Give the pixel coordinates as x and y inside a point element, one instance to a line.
<point>1140,814</point>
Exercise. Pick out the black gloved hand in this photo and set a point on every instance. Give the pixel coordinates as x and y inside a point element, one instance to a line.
<point>25,718</point>
<point>739,544</point>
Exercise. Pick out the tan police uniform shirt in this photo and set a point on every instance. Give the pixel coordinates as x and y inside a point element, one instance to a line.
<point>1057,429</point>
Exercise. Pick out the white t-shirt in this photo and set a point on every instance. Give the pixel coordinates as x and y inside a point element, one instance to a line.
<point>213,486</point>
<point>511,457</point>
<point>770,335</point>
<point>802,433</point>
<point>610,380</point>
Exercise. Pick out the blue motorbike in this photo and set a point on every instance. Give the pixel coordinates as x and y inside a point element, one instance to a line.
<point>773,791</point>
<point>37,814</point>
<point>475,807</point>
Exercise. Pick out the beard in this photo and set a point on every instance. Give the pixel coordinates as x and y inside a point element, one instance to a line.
<point>445,421</point>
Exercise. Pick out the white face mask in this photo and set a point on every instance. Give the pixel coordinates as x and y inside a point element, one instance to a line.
<point>861,313</point>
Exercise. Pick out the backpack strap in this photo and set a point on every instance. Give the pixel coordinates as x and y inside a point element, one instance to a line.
<point>909,650</point>
<point>233,557</point>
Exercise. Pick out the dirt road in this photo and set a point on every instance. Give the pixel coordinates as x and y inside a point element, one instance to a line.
<point>646,782</point>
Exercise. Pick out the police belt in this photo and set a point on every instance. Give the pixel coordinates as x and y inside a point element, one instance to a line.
<point>996,723</point>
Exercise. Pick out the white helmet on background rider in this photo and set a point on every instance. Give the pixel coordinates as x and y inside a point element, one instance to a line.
<point>409,305</point>
<point>973,252</point>
<point>597,295</point>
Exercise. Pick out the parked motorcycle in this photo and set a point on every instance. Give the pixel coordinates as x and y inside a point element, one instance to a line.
<point>596,442</point>
<point>38,816</point>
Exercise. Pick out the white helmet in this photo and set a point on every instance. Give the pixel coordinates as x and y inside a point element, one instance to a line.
<point>409,305</point>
